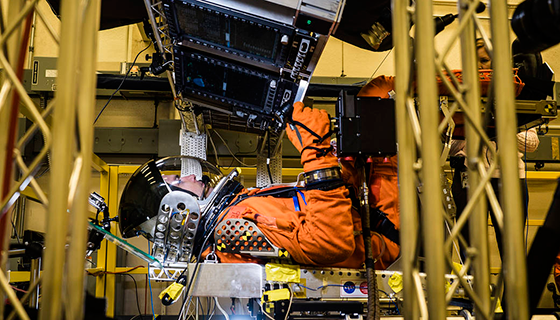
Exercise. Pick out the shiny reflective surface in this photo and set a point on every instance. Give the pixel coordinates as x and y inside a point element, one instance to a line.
<point>140,199</point>
<point>147,187</point>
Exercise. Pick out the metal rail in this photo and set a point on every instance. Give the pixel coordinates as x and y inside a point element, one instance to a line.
<point>161,34</point>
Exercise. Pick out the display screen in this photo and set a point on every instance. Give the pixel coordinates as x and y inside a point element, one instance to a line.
<point>217,79</point>
<point>226,31</point>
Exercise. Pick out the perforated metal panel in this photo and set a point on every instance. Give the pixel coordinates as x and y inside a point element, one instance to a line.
<point>242,236</point>
<point>175,229</point>
<point>193,145</point>
<point>263,179</point>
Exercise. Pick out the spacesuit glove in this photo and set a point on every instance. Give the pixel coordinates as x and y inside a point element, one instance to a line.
<point>310,132</point>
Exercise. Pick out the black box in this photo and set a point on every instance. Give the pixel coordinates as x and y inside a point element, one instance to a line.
<point>366,126</point>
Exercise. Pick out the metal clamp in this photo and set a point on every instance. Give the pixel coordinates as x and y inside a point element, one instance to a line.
<point>322,175</point>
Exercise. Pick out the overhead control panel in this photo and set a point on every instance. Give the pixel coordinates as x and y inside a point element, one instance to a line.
<point>247,58</point>
<point>216,82</point>
<point>218,31</point>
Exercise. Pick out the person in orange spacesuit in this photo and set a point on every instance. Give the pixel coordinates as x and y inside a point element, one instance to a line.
<point>326,231</point>
<point>318,225</point>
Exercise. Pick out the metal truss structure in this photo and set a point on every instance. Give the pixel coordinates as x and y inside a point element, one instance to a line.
<point>420,164</point>
<point>67,138</point>
<point>68,141</point>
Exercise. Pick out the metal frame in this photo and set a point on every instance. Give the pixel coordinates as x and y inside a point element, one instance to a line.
<point>164,42</point>
<point>70,159</point>
<point>420,150</point>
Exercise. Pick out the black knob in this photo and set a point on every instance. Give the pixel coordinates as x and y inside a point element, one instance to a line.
<point>166,300</point>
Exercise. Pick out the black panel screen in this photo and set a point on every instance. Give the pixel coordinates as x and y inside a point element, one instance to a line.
<point>225,80</point>
<point>366,126</point>
<point>226,31</point>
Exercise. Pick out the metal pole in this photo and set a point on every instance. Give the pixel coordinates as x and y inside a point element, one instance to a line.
<point>34,275</point>
<point>63,147</point>
<point>406,157</point>
<point>159,43</point>
<point>432,210</point>
<point>478,221</point>
<point>514,263</point>
<point>31,54</point>
<point>79,210</point>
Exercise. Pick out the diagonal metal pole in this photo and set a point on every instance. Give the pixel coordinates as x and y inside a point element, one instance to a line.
<point>514,261</point>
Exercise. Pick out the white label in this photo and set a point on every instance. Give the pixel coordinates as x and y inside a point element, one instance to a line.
<point>51,73</point>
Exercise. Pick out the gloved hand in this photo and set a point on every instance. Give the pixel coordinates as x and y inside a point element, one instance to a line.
<point>309,131</point>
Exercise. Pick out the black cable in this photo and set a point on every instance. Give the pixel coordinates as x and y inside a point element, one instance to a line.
<point>268,161</point>
<point>44,171</point>
<point>201,308</point>
<point>137,299</point>
<point>156,105</point>
<point>15,231</point>
<point>120,85</point>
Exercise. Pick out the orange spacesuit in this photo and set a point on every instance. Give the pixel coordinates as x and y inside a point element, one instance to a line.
<point>326,230</point>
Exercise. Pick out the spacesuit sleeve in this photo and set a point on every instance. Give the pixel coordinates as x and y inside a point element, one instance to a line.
<point>310,133</point>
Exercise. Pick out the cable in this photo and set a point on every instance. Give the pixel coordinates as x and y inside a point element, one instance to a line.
<point>209,134</point>
<point>120,85</point>
<point>230,152</point>
<point>12,219</point>
<point>15,231</point>
<point>18,289</point>
<point>95,274</point>
<point>211,301</point>
<point>289,304</point>
<point>150,285</point>
<point>201,312</point>
<point>379,66</point>
<point>221,309</point>
<point>393,300</point>
<point>265,313</point>
<point>268,161</point>
<point>137,299</point>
